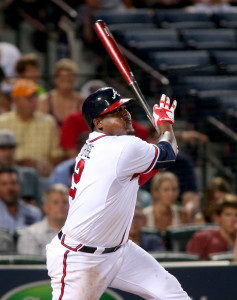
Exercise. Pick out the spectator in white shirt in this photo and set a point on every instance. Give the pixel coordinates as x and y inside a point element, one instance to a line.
<point>33,239</point>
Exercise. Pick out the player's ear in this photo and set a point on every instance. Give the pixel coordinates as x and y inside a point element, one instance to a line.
<point>98,123</point>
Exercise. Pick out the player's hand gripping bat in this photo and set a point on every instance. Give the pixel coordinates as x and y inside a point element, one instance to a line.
<point>118,58</point>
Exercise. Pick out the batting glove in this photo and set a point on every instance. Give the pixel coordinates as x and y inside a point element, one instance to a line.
<point>164,113</point>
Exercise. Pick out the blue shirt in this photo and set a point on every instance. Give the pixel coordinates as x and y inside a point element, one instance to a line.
<point>151,242</point>
<point>62,173</point>
<point>26,215</point>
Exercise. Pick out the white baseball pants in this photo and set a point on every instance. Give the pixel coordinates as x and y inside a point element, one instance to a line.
<point>79,275</point>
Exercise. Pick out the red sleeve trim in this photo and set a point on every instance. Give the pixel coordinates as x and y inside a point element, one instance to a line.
<point>154,160</point>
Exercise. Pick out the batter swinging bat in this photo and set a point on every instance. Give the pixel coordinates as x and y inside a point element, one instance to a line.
<point>112,48</point>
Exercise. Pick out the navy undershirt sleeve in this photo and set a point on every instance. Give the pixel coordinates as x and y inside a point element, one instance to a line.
<point>166,157</point>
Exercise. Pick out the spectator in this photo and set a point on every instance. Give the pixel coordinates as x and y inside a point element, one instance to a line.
<point>91,86</point>
<point>9,54</point>
<point>36,133</point>
<point>164,211</point>
<point>62,173</point>
<point>149,242</point>
<point>64,99</point>
<point>75,124</point>
<point>14,213</point>
<point>184,169</point>
<point>29,180</point>
<point>33,239</point>
<point>211,6</point>
<point>216,189</point>
<point>223,239</point>
<point>28,67</point>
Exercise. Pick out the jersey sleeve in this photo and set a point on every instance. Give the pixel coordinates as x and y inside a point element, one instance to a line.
<point>137,156</point>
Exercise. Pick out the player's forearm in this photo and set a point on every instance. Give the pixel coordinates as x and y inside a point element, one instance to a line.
<point>167,135</point>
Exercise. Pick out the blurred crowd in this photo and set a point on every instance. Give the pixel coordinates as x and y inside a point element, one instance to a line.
<point>42,131</point>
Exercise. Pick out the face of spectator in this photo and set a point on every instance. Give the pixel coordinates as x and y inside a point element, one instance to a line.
<point>65,81</point>
<point>31,72</point>
<point>228,220</point>
<point>56,207</point>
<point>137,223</point>
<point>6,155</point>
<point>9,188</point>
<point>26,106</point>
<point>167,193</point>
<point>218,195</point>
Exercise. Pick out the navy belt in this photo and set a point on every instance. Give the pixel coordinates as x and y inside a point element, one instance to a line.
<point>89,249</point>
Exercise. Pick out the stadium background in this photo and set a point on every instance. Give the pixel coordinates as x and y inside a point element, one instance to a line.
<point>191,57</point>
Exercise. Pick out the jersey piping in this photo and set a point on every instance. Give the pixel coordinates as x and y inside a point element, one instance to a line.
<point>154,160</point>
<point>99,137</point>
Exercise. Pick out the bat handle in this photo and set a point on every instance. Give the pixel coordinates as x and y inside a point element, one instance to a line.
<point>137,90</point>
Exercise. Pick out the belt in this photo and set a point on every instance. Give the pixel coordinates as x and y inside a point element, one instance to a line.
<point>88,249</point>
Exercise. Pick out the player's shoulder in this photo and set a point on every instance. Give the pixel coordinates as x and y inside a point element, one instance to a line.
<point>127,139</point>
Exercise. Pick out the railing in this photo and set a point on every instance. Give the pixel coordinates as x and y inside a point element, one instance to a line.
<point>232,137</point>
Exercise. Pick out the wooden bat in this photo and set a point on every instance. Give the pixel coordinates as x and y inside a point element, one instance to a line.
<point>118,58</point>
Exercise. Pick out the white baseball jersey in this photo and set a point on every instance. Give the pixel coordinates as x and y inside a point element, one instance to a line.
<point>102,201</point>
<point>104,188</point>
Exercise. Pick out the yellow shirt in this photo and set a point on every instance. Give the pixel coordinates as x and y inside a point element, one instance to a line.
<point>37,138</point>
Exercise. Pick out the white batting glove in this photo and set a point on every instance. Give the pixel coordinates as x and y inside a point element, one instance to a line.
<point>164,113</point>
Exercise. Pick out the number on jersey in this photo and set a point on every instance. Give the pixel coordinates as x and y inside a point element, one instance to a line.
<point>76,177</point>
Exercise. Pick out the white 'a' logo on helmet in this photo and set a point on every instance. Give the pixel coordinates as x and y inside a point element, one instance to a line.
<point>115,93</point>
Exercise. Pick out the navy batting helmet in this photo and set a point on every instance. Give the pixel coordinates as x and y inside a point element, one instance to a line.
<point>101,102</point>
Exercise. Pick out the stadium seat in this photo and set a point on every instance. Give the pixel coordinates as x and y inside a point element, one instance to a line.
<point>174,256</point>
<point>205,83</point>
<point>124,16</point>
<point>152,35</point>
<point>222,256</point>
<point>210,39</point>
<point>144,49</point>
<point>119,29</point>
<point>7,244</point>
<point>179,19</point>
<point>226,61</point>
<point>182,62</point>
<point>177,237</point>
<point>226,19</point>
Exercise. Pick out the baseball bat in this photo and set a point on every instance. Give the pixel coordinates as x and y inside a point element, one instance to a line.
<point>118,58</point>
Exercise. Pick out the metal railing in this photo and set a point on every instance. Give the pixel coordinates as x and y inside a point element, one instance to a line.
<point>231,136</point>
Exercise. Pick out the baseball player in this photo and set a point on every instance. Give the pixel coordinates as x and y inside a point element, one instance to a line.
<point>92,251</point>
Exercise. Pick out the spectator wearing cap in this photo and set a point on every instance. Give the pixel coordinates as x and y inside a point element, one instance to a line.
<point>29,179</point>
<point>33,239</point>
<point>28,66</point>
<point>14,213</point>
<point>36,133</point>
